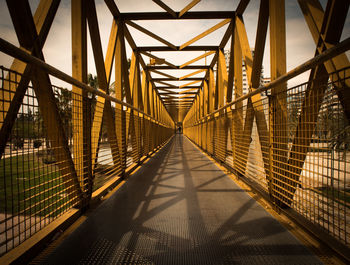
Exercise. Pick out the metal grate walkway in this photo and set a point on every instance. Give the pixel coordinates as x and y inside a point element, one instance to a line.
<point>179,208</point>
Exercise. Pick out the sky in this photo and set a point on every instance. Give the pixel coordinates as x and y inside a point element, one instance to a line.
<point>57,49</point>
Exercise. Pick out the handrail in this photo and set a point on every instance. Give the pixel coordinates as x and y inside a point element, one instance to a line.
<point>340,48</point>
<point>20,54</point>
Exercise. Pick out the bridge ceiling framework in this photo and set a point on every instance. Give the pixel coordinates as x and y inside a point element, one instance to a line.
<point>91,137</point>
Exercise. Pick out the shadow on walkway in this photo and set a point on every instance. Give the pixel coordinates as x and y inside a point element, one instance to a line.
<point>179,208</point>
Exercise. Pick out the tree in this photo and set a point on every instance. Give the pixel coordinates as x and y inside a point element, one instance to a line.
<point>24,128</point>
<point>332,125</point>
<point>64,104</point>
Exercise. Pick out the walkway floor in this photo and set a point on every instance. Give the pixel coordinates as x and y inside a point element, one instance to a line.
<point>179,208</point>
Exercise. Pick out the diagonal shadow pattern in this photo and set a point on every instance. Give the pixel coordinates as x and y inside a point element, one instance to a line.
<point>174,215</point>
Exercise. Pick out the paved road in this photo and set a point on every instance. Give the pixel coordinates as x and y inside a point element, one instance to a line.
<point>181,209</point>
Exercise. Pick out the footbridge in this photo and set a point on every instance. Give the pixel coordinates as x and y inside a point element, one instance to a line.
<point>171,135</point>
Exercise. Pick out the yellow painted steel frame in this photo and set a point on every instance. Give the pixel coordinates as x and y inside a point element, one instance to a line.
<point>101,132</point>
<point>134,117</point>
<point>264,144</point>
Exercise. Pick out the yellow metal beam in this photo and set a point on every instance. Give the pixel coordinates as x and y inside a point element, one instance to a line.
<point>122,87</point>
<point>205,33</point>
<point>146,134</point>
<point>230,78</point>
<point>222,79</point>
<point>165,7</point>
<point>145,97</point>
<point>100,101</point>
<point>151,34</point>
<point>166,90</point>
<point>237,116</point>
<point>102,78</point>
<point>79,72</point>
<point>159,59</point>
<point>319,23</point>
<point>279,127</point>
<point>55,131</point>
<point>137,103</point>
<point>166,84</point>
<point>13,93</point>
<point>188,84</point>
<point>164,74</point>
<point>313,14</point>
<point>211,97</point>
<point>188,7</point>
<point>197,58</point>
<point>43,19</point>
<point>253,69</point>
<point>194,73</point>
<point>22,19</point>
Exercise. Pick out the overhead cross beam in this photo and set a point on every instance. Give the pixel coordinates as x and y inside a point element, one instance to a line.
<point>167,16</point>
<point>144,108</point>
<point>197,58</point>
<point>164,74</point>
<point>160,60</point>
<point>168,49</point>
<point>181,88</point>
<point>191,83</point>
<point>191,74</point>
<point>149,33</point>
<point>188,7</point>
<point>177,79</point>
<point>176,67</point>
<point>166,8</point>
<point>205,33</point>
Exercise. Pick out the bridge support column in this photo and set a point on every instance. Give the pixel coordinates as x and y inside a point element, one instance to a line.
<point>278,128</point>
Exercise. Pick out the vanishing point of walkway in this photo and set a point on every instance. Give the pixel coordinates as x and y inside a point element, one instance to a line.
<point>179,208</point>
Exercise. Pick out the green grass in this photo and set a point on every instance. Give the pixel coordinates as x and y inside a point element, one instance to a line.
<point>28,186</point>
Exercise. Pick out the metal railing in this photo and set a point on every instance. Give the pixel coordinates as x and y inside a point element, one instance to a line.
<point>298,153</point>
<point>36,184</point>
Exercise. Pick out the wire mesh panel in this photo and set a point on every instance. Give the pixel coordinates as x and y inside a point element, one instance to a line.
<point>32,190</point>
<point>255,148</point>
<point>45,172</point>
<point>322,188</point>
<point>295,144</point>
<point>107,165</point>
